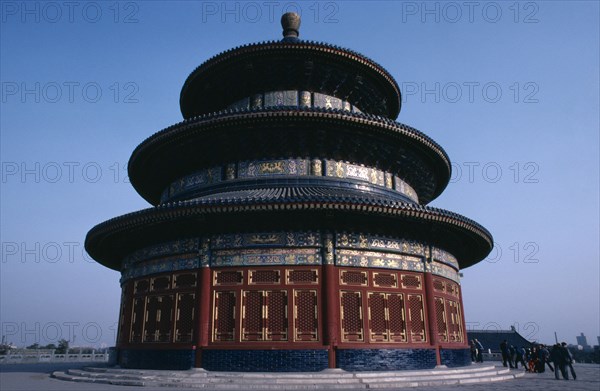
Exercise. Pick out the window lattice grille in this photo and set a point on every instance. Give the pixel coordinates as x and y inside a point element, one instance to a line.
<point>386,280</point>
<point>137,319</point>
<point>353,278</point>
<point>305,315</point>
<point>302,276</point>
<point>440,314</point>
<point>158,322</point>
<point>228,277</point>
<point>352,317</point>
<point>416,318</point>
<point>184,321</point>
<point>264,277</point>
<point>224,316</point>
<point>411,281</point>
<point>185,280</point>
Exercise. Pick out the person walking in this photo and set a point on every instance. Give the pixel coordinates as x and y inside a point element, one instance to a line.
<point>473,350</point>
<point>479,350</point>
<point>568,357</point>
<point>519,357</point>
<point>544,356</point>
<point>533,359</point>
<point>512,356</point>
<point>557,357</point>
<point>505,353</point>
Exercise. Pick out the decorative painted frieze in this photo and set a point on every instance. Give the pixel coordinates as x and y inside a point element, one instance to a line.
<point>281,98</point>
<point>275,167</point>
<point>291,248</point>
<point>316,167</point>
<point>251,169</point>
<point>442,256</point>
<point>292,98</point>
<point>242,104</point>
<point>326,101</point>
<point>404,188</point>
<point>362,241</point>
<point>329,249</point>
<point>269,239</point>
<point>203,177</point>
<point>256,102</point>
<point>305,99</point>
<point>205,252</point>
<point>357,258</point>
<point>346,170</point>
<point>266,257</point>
<point>230,171</point>
<point>164,249</point>
<point>162,265</point>
<point>444,271</point>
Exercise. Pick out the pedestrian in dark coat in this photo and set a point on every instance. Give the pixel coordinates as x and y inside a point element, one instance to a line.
<point>479,350</point>
<point>519,357</point>
<point>568,357</point>
<point>505,353</point>
<point>557,357</point>
<point>513,355</point>
<point>473,351</point>
<point>544,356</point>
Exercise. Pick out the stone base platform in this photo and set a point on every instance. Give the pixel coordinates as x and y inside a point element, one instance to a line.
<point>325,380</point>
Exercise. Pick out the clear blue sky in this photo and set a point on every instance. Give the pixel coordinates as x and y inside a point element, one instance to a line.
<point>509,89</point>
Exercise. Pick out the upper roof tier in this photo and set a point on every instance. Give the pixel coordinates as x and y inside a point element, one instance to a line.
<point>290,64</point>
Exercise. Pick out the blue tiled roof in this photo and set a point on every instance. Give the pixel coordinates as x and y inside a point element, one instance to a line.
<point>491,339</point>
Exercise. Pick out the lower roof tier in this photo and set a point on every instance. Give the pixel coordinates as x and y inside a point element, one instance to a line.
<point>273,133</point>
<point>293,208</point>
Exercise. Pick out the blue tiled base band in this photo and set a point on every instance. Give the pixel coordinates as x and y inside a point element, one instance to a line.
<point>385,359</point>
<point>455,357</point>
<point>264,360</point>
<point>293,360</point>
<point>156,359</point>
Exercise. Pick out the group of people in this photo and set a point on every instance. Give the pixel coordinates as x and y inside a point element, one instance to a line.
<point>533,359</point>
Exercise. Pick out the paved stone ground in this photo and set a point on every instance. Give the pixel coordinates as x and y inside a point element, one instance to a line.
<point>34,377</point>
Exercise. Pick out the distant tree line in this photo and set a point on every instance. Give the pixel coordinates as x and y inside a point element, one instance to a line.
<point>62,348</point>
<point>587,356</point>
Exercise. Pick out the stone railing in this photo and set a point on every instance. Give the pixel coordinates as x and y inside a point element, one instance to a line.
<point>492,357</point>
<point>43,357</point>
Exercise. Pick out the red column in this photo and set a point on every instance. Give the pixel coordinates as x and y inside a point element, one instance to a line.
<point>204,299</point>
<point>330,313</point>
<point>124,325</point>
<point>198,328</point>
<point>205,306</point>
<point>432,317</point>
<point>203,325</point>
<point>462,316</point>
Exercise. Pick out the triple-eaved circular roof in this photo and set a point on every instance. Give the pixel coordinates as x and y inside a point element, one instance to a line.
<point>212,135</point>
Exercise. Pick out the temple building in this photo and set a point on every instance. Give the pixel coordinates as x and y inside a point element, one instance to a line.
<point>289,229</point>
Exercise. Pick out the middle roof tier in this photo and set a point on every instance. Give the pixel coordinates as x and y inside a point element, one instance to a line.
<point>310,134</point>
